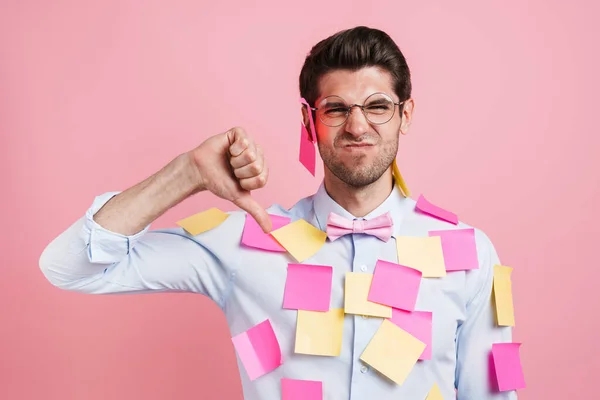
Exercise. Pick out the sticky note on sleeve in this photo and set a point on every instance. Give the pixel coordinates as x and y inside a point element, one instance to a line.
<point>507,366</point>
<point>505,313</point>
<point>204,221</point>
<point>258,349</point>
<point>300,239</point>
<point>393,352</point>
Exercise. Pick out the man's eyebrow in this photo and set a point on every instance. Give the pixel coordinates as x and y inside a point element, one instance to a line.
<point>378,101</point>
<point>335,104</point>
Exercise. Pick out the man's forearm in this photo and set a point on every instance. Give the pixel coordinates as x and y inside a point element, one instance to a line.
<point>132,210</point>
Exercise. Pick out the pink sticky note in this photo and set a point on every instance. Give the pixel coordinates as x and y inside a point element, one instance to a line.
<point>458,246</point>
<point>308,154</point>
<point>395,285</point>
<point>294,389</point>
<point>417,323</point>
<point>507,365</point>
<point>258,349</point>
<point>253,235</point>
<point>425,206</point>
<point>310,119</point>
<point>308,287</point>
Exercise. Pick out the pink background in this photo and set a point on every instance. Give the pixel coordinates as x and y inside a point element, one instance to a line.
<point>97,95</point>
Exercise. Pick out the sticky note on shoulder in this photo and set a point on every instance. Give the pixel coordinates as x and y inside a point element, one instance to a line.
<point>204,221</point>
<point>393,352</point>
<point>505,312</point>
<point>300,239</point>
<point>258,349</point>
<point>428,208</point>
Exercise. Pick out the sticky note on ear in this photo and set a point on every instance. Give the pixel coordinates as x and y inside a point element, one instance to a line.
<point>393,352</point>
<point>204,221</point>
<point>295,389</point>
<point>356,293</point>
<point>308,287</point>
<point>254,236</point>
<point>435,393</point>
<point>507,365</point>
<point>319,333</point>
<point>428,208</point>
<point>458,246</point>
<point>503,299</point>
<point>258,349</point>
<point>308,153</point>
<point>300,239</point>
<point>422,253</point>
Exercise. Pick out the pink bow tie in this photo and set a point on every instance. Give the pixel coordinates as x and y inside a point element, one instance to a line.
<point>380,227</point>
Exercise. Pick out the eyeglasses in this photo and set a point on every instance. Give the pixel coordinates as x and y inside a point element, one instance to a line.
<point>378,109</point>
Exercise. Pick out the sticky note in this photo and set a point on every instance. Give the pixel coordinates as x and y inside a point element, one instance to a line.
<point>308,287</point>
<point>459,249</point>
<point>503,299</point>
<point>399,180</point>
<point>254,236</point>
<point>428,208</point>
<point>417,323</point>
<point>319,333</point>
<point>507,366</point>
<point>295,389</point>
<point>395,285</point>
<point>204,221</point>
<point>258,349</point>
<point>393,352</point>
<point>356,292</point>
<point>308,153</point>
<point>422,253</point>
<point>435,393</point>
<point>300,239</point>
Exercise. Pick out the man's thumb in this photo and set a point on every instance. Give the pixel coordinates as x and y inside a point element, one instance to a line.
<point>247,203</point>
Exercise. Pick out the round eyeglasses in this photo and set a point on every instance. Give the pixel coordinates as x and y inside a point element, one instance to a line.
<point>378,109</point>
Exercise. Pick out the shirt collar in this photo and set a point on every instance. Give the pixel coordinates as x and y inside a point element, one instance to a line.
<point>396,204</point>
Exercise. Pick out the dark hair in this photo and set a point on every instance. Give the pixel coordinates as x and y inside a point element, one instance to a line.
<point>353,49</point>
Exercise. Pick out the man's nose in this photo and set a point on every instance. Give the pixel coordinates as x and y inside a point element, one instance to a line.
<point>357,123</point>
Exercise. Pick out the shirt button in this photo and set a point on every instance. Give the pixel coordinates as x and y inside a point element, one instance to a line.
<point>363,268</point>
<point>364,369</point>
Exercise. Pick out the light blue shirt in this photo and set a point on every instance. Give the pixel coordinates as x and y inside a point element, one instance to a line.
<point>248,285</point>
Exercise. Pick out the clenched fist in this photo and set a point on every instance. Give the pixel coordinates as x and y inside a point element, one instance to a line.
<point>230,165</point>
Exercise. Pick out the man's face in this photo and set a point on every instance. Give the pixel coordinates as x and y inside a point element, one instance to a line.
<point>358,152</point>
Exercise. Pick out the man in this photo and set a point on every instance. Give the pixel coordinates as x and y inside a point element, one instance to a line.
<point>357,84</point>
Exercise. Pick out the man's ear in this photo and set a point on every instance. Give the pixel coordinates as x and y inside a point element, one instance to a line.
<point>306,121</point>
<point>408,109</point>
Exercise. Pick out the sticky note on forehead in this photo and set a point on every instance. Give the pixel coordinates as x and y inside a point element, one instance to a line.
<point>204,221</point>
<point>300,239</point>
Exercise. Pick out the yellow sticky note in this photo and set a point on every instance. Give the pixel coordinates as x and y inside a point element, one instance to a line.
<point>320,333</point>
<point>204,221</point>
<point>400,180</point>
<point>505,312</point>
<point>300,239</point>
<point>422,253</point>
<point>393,351</point>
<point>356,291</point>
<point>435,393</point>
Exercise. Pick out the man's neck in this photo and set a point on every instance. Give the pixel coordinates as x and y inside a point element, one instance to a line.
<point>359,201</point>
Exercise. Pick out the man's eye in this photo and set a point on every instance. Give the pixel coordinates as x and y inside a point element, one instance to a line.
<point>335,111</point>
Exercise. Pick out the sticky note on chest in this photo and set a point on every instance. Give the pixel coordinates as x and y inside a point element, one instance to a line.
<point>300,239</point>
<point>356,293</point>
<point>320,333</point>
<point>258,349</point>
<point>422,253</point>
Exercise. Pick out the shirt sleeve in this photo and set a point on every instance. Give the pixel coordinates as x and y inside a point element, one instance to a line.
<point>477,333</point>
<point>88,258</point>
